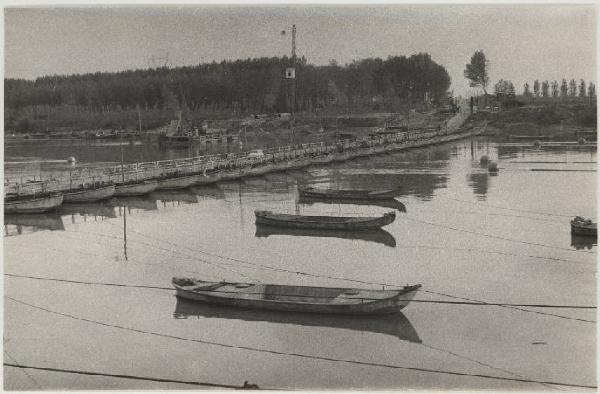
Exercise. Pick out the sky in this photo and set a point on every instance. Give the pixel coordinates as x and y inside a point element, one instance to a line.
<point>521,42</point>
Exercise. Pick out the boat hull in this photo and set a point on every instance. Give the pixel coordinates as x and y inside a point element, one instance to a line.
<point>347,301</point>
<point>347,194</point>
<point>97,194</point>
<point>135,189</point>
<point>323,222</point>
<point>34,204</point>
<point>177,183</point>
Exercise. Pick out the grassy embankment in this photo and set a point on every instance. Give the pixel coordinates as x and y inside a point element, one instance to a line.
<point>560,122</point>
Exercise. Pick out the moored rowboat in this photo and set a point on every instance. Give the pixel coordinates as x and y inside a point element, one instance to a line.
<point>296,298</point>
<point>91,194</point>
<point>347,194</point>
<point>581,226</point>
<point>180,182</point>
<point>135,189</point>
<point>324,222</point>
<point>32,203</point>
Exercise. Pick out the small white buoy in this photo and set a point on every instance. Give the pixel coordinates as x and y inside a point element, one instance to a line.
<point>72,160</point>
<point>484,159</point>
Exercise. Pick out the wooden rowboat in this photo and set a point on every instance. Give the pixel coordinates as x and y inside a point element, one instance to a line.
<point>32,203</point>
<point>347,194</point>
<point>89,194</point>
<point>296,298</point>
<point>177,182</point>
<point>324,222</point>
<point>581,226</point>
<point>135,189</point>
<point>391,203</point>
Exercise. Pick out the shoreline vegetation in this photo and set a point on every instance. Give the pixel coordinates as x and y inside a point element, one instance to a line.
<point>251,99</point>
<point>221,91</point>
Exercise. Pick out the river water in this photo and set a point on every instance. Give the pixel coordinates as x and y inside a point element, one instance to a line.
<point>462,233</point>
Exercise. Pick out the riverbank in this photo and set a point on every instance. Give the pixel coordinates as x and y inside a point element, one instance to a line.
<point>544,122</point>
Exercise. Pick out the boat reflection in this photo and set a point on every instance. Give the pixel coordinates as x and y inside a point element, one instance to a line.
<point>583,242</point>
<point>208,191</point>
<point>94,209</point>
<point>145,203</point>
<point>178,195</point>
<point>379,236</point>
<point>32,222</point>
<point>391,203</point>
<point>393,324</point>
<point>479,182</point>
<point>420,183</point>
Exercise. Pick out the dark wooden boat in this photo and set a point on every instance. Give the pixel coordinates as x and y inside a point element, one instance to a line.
<point>89,194</point>
<point>391,203</point>
<point>324,222</point>
<point>581,226</point>
<point>347,194</point>
<point>395,324</point>
<point>378,235</point>
<point>34,203</point>
<point>308,299</point>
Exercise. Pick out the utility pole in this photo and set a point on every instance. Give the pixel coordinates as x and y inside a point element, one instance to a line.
<point>290,76</point>
<point>294,44</point>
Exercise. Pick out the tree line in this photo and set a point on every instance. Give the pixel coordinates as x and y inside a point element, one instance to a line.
<point>241,86</point>
<point>570,89</point>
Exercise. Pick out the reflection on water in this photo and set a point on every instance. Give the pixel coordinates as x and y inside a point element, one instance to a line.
<point>394,324</point>
<point>479,183</point>
<point>379,236</point>
<point>419,184</point>
<point>180,195</point>
<point>583,242</point>
<point>208,191</point>
<point>20,224</point>
<point>145,203</point>
<point>92,209</point>
<point>528,150</point>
